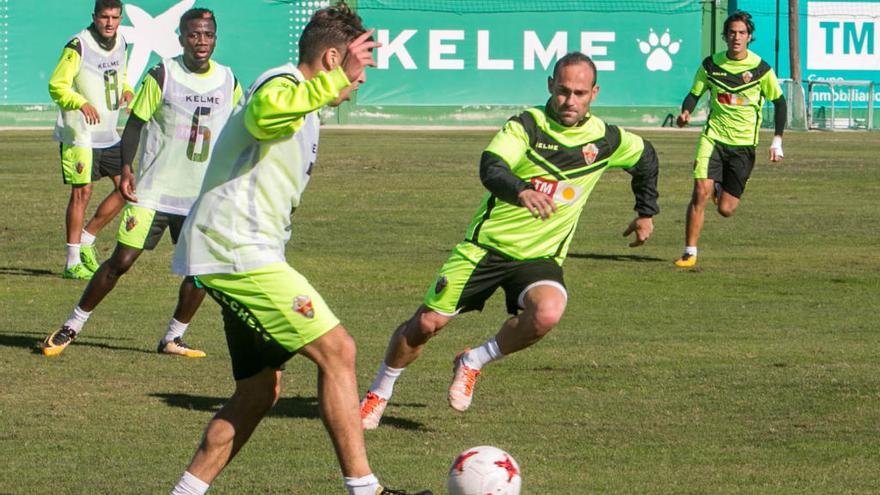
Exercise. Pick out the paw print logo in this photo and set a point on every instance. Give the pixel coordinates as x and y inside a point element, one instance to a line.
<point>660,48</point>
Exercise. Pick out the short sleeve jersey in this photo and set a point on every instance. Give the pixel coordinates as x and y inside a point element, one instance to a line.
<point>185,112</point>
<point>564,162</point>
<point>257,175</point>
<point>737,89</point>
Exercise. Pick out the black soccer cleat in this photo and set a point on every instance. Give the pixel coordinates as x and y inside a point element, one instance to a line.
<point>389,491</point>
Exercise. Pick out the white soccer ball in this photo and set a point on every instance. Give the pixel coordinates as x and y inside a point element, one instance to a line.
<point>484,470</point>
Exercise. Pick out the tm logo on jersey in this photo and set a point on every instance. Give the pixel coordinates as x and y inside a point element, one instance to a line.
<point>659,49</point>
<point>561,192</point>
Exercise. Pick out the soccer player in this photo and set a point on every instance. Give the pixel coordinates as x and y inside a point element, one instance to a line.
<point>539,170</point>
<point>737,81</point>
<point>234,239</point>
<point>88,84</point>
<point>180,109</point>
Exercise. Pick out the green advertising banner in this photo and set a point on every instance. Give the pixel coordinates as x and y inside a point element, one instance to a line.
<point>481,56</point>
<point>251,37</point>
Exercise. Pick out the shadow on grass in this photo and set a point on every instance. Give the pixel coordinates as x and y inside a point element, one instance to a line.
<point>32,341</point>
<point>287,407</point>
<point>616,257</point>
<point>27,272</point>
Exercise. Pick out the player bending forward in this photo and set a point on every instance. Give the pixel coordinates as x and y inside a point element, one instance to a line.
<point>234,239</point>
<point>539,170</point>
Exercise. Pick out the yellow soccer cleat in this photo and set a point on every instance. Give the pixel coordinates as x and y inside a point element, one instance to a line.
<point>57,341</point>
<point>686,261</point>
<point>88,255</point>
<point>178,347</point>
<point>77,272</point>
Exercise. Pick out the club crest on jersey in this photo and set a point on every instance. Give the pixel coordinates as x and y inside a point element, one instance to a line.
<point>79,167</point>
<point>590,152</point>
<point>303,305</point>
<point>561,192</point>
<point>441,284</point>
<point>747,76</point>
<point>131,223</point>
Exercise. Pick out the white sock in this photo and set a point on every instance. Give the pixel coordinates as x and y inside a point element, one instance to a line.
<point>690,250</point>
<point>72,254</point>
<point>175,329</point>
<point>383,385</point>
<point>190,485</point>
<point>77,319</point>
<point>365,485</point>
<point>483,355</point>
<point>86,239</point>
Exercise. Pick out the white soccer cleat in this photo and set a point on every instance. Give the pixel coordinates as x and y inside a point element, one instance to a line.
<point>372,408</point>
<point>461,391</point>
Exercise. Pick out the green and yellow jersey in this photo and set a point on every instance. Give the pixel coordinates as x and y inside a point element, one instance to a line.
<point>89,71</point>
<point>534,151</point>
<point>257,175</point>
<point>184,113</point>
<point>737,89</point>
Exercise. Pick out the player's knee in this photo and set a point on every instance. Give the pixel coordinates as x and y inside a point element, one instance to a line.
<point>344,351</point>
<point>726,210</point>
<point>258,393</point>
<point>118,266</point>
<point>426,324</point>
<point>81,194</point>
<point>546,316</point>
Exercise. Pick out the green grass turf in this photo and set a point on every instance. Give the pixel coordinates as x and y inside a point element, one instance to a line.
<point>755,373</point>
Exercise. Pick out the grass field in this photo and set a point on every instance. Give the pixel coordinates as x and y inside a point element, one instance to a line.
<point>757,373</point>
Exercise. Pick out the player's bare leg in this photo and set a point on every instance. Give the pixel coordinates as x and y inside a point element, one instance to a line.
<point>696,214</point>
<point>544,306</point>
<point>107,210</point>
<point>334,353</point>
<point>409,339</point>
<point>404,347</point>
<point>76,210</point>
<point>234,423</point>
<point>108,275</point>
<point>80,195</point>
<point>189,298</point>
<point>727,204</point>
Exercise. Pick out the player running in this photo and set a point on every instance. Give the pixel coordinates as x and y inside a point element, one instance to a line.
<point>539,169</point>
<point>234,241</point>
<point>89,87</point>
<point>737,81</point>
<point>180,109</point>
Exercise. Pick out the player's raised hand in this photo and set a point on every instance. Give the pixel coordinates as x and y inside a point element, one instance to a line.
<point>683,119</point>
<point>539,204</point>
<point>127,185</point>
<point>90,113</point>
<point>359,55</point>
<point>643,227</point>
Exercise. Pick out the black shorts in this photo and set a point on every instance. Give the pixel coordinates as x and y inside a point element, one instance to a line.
<point>251,349</point>
<point>731,166</point>
<point>463,286</point>
<point>132,232</point>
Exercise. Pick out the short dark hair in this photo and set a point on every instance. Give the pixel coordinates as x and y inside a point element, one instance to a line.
<point>573,58</point>
<point>196,14</point>
<point>741,16</point>
<point>107,4</point>
<point>330,27</point>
